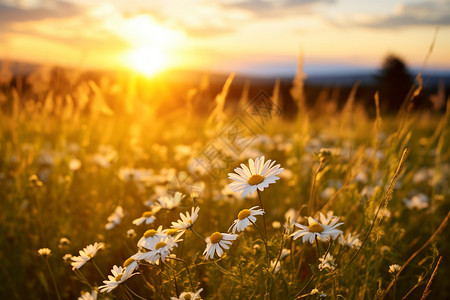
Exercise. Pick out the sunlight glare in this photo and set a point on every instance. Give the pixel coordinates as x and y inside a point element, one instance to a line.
<point>148,60</point>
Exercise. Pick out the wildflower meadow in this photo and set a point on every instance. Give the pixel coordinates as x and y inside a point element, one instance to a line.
<point>112,189</point>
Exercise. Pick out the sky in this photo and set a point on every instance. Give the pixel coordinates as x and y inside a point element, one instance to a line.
<point>245,36</point>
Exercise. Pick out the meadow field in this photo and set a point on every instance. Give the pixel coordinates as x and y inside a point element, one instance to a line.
<point>121,187</point>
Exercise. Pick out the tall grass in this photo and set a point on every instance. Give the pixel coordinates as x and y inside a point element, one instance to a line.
<point>71,154</point>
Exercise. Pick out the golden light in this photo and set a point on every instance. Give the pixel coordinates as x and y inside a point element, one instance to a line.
<point>147,60</point>
<point>152,45</point>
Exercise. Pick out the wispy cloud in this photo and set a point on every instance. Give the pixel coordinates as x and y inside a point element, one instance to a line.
<point>10,13</point>
<point>283,8</point>
<point>429,13</point>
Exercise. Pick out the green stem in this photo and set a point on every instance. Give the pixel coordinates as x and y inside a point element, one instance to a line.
<point>239,266</point>
<point>187,270</point>
<point>264,218</point>
<point>264,241</point>
<point>98,269</point>
<point>318,249</point>
<point>198,235</point>
<point>53,279</point>
<point>132,292</point>
<point>83,278</point>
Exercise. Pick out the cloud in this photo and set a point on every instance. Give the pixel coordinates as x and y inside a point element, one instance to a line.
<point>432,13</point>
<point>57,10</point>
<point>270,9</point>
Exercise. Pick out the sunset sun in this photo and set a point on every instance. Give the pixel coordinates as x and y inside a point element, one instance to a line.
<point>151,45</point>
<point>147,60</point>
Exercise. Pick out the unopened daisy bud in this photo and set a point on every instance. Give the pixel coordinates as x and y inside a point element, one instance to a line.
<point>67,257</point>
<point>63,242</point>
<point>324,155</point>
<point>45,252</point>
<point>131,233</point>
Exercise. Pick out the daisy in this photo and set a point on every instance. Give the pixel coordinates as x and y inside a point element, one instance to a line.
<point>419,201</point>
<point>258,175</point>
<point>150,238</point>
<point>187,221</point>
<point>350,241</point>
<point>88,296</point>
<point>162,249</point>
<point>86,255</point>
<point>393,269</point>
<point>170,202</point>
<point>119,276</point>
<point>188,295</point>
<point>327,262</point>
<point>146,217</point>
<point>115,218</point>
<point>315,229</point>
<point>158,251</point>
<point>130,265</point>
<point>245,216</point>
<point>216,242</point>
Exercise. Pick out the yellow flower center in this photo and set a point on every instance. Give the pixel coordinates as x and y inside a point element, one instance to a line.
<point>150,233</point>
<point>160,245</point>
<point>147,214</point>
<point>243,214</point>
<point>187,297</point>
<point>315,227</point>
<point>172,231</point>
<point>128,262</point>
<point>215,237</point>
<point>119,277</point>
<point>255,179</point>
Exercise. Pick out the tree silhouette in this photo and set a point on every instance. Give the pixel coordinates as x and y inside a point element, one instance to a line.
<point>394,83</point>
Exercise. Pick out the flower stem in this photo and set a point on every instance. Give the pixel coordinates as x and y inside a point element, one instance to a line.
<point>264,218</point>
<point>196,233</point>
<point>187,270</point>
<point>53,279</point>
<point>239,266</point>
<point>313,190</point>
<point>318,249</point>
<point>98,269</point>
<point>264,240</point>
<point>83,278</point>
<point>132,292</point>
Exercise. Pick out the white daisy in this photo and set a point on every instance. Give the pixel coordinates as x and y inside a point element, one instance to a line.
<point>258,175</point>
<point>393,269</point>
<point>275,265</point>
<point>350,241</point>
<point>146,217</point>
<point>315,229</point>
<point>88,296</point>
<point>419,201</point>
<point>130,265</point>
<point>170,202</point>
<point>158,251</point>
<point>188,296</point>
<point>327,262</point>
<point>216,242</point>
<point>86,255</point>
<point>186,221</point>
<point>150,238</point>
<point>245,216</point>
<point>115,218</point>
<point>119,276</point>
